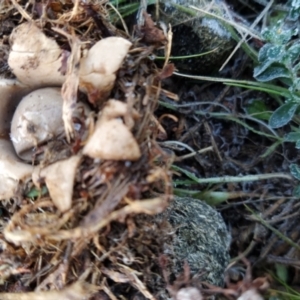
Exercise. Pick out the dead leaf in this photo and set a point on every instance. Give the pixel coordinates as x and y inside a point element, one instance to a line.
<point>166,72</point>
<point>150,33</point>
<point>70,87</point>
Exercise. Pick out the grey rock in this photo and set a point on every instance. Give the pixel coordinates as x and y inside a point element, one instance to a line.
<point>200,237</point>
<point>197,34</point>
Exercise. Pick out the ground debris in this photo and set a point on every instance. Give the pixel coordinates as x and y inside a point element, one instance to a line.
<point>78,290</point>
<point>73,236</point>
<point>103,235</point>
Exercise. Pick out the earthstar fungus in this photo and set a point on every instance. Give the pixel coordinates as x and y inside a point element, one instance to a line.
<point>38,118</point>
<point>98,68</point>
<point>35,59</point>
<point>12,169</point>
<point>112,139</point>
<point>59,178</point>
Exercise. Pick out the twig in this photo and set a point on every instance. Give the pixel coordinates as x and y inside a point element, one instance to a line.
<point>179,158</point>
<point>244,36</point>
<point>275,231</point>
<point>241,27</point>
<point>227,179</point>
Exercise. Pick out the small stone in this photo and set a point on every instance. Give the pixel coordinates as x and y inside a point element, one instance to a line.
<point>199,237</point>
<point>196,34</point>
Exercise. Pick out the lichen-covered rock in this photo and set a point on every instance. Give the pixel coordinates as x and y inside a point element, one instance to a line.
<point>157,248</point>
<point>200,238</point>
<point>196,34</point>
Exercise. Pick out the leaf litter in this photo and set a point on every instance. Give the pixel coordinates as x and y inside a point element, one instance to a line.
<point>76,238</point>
